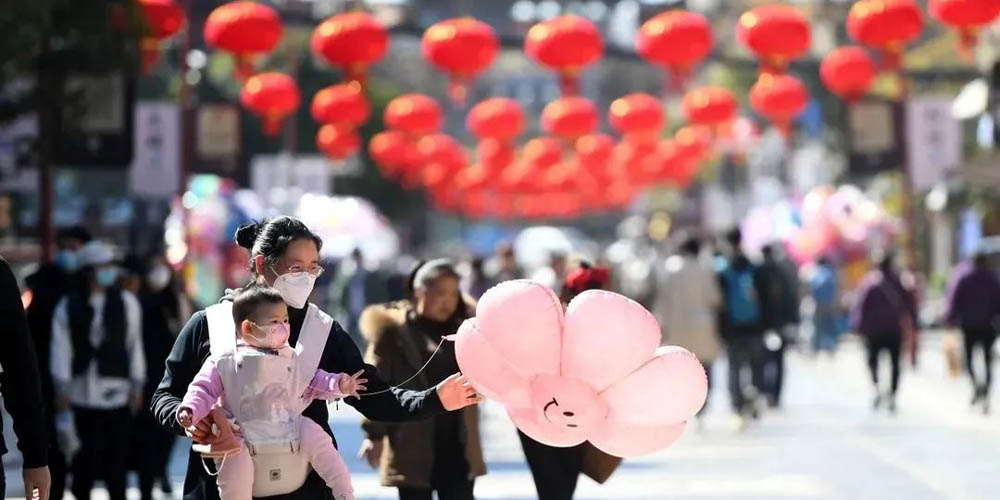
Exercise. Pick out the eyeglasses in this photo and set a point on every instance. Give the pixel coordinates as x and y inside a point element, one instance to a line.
<point>316,271</point>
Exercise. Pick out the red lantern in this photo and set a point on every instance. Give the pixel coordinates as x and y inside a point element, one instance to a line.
<point>569,117</point>
<point>164,18</point>
<point>677,40</point>
<point>337,141</point>
<point>393,151</point>
<point>244,29</point>
<point>628,158</point>
<point>343,103</point>
<point>593,151</point>
<point>693,141</point>
<point>887,25</point>
<point>495,154</point>
<point>272,97</point>
<point>474,178</point>
<point>847,72</point>
<point>443,149</point>
<point>636,113</point>
<point>709,106</point>
<point>351,41</point>
<point>462,48</point>
<point>967,16</point>
<point>541,152</point>
<point>780,98</point>
<point>565,44</point>
<point>776,34</point>
<point>416,114</point>
<point>496,118</point>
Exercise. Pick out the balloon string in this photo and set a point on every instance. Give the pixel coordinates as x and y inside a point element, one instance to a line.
<point>421,370</point>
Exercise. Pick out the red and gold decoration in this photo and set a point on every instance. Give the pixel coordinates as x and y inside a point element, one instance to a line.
<point>710,106</point>
<point>497,118</point>
<point>565,44</point>
<point>886,25</point>
<point>272,97</point>
<point>777,34</point>
<point>570,117</point>
<point>163,19</point>
<point>848,72</point>
<point>343,103</point>
<point>676,40</point>
<point>415,114</point>
<point>780,99</point>
<point>351,42</point>
<point>462,48</point>
<point>636,114</point>
<point>338,141</point>
<point>393,151</point>
<point>966,16</point>
<point>244,29</point>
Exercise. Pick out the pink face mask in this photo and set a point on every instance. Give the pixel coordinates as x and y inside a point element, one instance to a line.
<point>273,336</point>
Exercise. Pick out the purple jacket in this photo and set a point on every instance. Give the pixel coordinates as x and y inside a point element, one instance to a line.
<point>974,298</point>
<point>881,304</point>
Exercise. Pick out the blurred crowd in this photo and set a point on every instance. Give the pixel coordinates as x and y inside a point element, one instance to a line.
<point>103,323</point>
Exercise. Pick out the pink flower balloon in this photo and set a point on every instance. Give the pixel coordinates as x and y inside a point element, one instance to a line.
<point>594,373</point>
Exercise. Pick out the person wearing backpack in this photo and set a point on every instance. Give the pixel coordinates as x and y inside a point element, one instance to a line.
<point>884,311</point>
<point>741,325</point>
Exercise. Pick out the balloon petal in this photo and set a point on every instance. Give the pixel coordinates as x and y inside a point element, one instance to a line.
<point>531,424</point>
<point>523,321</point>
<point>680,385</point>
<point>626,441</point>
<point>491,374</point>
<point>607,337</point>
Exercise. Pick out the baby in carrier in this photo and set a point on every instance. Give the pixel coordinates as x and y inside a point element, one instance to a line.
<point>257,384</point>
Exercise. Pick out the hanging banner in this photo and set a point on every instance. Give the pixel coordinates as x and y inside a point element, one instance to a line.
<point>933,140</point>
<point>871,133</point>
<point>97,129</point>
<point>156,166</point>
<point>217,143</point>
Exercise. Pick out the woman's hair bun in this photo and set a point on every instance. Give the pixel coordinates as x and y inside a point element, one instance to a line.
<point>246,234</point>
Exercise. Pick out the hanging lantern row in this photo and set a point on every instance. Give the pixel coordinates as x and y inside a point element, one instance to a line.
<point>589,171</point>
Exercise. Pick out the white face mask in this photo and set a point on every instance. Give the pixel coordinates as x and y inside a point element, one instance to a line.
<point>158,277</point>
<point>295,288</point>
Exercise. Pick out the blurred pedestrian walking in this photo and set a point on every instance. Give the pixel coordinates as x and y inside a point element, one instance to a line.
<point>47,286</point>
<point>780,315</point>
<point>687,305</point>
<point>824,289</point>
<point>165,308</point>
<point>884,313</point>
<point>443,453</point>
<point>99,369</point>
<point>742,326</point>
<point>974,306</point>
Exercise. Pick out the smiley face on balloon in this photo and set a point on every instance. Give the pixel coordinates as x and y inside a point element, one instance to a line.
<point>593,372</point>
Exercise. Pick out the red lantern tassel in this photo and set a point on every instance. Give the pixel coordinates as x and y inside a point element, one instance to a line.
<point>458,91</point>
<point>967,37</point>
<point>675,80</point>
<point>245,67</point>
<point>272,125</point>
<point>773,65</point>
<point>149,54</point>
<point>357,72</point>
<point>569,84</point>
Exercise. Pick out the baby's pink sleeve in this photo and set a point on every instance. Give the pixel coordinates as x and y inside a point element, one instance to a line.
<point>325,385</point>
<point>204,391</point>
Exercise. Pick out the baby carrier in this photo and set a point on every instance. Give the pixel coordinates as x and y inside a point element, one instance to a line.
<point>263,391</point>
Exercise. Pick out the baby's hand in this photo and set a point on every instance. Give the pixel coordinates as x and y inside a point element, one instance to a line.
<point>184,417</point>
<point>351,385</point>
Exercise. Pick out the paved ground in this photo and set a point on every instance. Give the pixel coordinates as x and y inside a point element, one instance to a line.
<point>826,442</point>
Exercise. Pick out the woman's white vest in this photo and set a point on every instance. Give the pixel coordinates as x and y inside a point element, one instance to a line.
<point>263,392</point>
